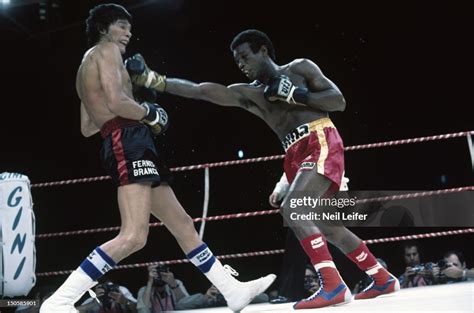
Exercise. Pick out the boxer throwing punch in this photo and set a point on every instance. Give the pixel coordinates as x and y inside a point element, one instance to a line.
<point>294,100</point>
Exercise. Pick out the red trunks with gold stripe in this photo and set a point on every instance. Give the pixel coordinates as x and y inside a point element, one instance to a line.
<point>315,146</point>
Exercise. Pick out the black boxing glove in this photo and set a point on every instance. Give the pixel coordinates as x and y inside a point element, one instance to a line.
<point>156,117</point>
<point>141,75</point>
<point>281,88</point>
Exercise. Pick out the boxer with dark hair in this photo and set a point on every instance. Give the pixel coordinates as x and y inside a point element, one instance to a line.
<point>294,100</point>
<point>131,159</point>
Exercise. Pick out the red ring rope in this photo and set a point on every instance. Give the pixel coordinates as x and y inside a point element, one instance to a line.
<point>278,251</point>
<point>264,159</point>
<point>259,213</point>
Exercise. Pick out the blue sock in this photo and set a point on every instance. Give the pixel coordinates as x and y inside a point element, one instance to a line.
<point>202,257</point>
<point>97,264</point>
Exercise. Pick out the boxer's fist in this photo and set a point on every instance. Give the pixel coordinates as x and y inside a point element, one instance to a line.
<point>281,88</point>
<point>141,75</point>
<point>156,117</point>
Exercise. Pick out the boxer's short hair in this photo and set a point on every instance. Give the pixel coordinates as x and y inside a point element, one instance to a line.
<point>256,39</point>
<point>100,18</point>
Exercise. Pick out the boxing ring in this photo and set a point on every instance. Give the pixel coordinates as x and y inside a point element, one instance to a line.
<point>447,298</point>
<point>457,298</point>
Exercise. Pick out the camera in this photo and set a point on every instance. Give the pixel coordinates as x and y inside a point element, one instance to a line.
<point>443,279</point>
<point>417,269</point>
<point>443,264</point>
<point>105,299</point>
<point>158,281</point>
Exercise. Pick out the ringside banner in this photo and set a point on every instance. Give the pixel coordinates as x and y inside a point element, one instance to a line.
<point>17,236</point>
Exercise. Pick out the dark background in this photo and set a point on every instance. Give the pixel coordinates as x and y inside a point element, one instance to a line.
<point>404,69</point>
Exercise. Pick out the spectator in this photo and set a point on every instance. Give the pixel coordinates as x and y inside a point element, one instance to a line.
<point>111,298</point>
<point>455,269</point>
<point>364,283</point>
<point>416,273</point>
<point>162,291</point>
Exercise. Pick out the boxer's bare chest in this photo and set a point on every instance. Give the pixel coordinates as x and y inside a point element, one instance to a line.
<point>280,116</point>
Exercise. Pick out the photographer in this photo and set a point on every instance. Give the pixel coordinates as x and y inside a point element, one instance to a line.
<point>113,299</point>
<point>416,273</point>
<point>454,268</point>
<point>161,292</point>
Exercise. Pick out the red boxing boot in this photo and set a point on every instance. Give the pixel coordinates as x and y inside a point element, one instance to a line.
<point>332,290</point>
<point>382,283</point>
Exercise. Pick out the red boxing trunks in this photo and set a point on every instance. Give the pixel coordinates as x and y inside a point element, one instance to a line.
<point>315,146</point>
<point>128,152</point>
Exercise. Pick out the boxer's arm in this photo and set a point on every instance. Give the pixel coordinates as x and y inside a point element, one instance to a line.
<point>110,72</point>
<point>88,128</point>
<point>211,92</point>
<point>323,94</point>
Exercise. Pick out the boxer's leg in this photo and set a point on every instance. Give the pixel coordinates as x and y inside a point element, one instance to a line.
<point>134,203</point>
<point>333,290</point>
<point>166,207</point>
<point>337,234</point>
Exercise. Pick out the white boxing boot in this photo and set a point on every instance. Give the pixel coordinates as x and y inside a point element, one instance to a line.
<point>63,300</point>
<point>237,294</point>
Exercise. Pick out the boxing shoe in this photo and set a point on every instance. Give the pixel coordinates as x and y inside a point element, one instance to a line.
<point>247,291</point>
<point>332,291</point>
<point>238,294</point>
<point>382,283</point>
<point>63,300</point>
